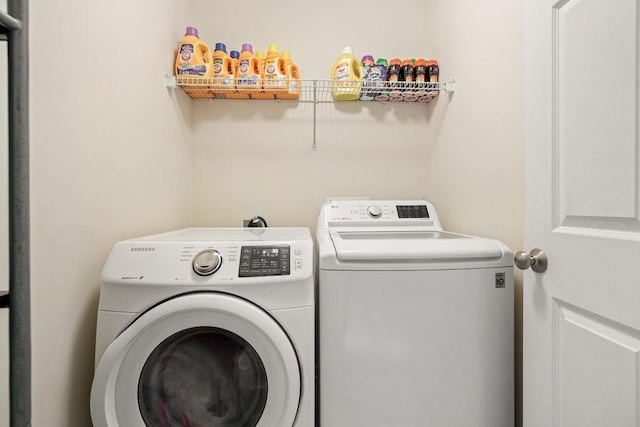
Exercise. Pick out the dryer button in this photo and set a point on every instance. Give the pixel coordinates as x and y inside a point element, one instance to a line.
<point>207,262</point>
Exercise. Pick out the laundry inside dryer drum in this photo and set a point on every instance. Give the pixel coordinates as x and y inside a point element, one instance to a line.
<point>203,376</point>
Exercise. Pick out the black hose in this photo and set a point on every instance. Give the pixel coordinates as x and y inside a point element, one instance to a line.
<point>257,221</point>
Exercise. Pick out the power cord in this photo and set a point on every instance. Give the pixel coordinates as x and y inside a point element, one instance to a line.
<point>257,221</point>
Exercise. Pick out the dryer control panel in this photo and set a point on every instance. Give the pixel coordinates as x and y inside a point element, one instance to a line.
<point>213,257</point>
<point>264,261</point>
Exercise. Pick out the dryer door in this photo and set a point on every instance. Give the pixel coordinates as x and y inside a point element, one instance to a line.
<point>201,359</point>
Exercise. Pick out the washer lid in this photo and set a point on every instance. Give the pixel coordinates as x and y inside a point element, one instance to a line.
<point>412,246</point>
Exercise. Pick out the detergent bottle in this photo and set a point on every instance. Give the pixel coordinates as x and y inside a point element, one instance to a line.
<point>194,56</point>
<point>235,55</point>
<point>234,93</point>
<point>369,76</point>
<point>223,73</point>
<point>261,94</point>
<point>261,57</point>
<point>248,80</point>
<point>346,77</point>
<point>382,94</point>
<point>292,79</point>
<point>193,65</point>
<point>275,73</point>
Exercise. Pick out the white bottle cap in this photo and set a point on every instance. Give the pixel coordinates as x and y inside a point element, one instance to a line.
<point>348,50</point>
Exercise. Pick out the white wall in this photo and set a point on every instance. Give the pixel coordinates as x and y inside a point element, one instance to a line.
<point>115,155</point>
<point>109,160</point>
<point>463,152</point>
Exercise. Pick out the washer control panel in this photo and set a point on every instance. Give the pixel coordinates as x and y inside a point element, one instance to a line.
<point>374,211</point>
<point>264,261</point>
<point>394,213</point>
<point>412,211</point>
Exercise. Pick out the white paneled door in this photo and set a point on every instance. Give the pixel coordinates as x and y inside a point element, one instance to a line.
<point>582,316</point>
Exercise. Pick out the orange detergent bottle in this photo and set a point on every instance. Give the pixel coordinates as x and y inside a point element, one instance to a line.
<point>193,64</point>
<point>275,73</point>
<point>235,55</point>
<point>235,93</point>
<point>194,56</point>
<point>261,58</point>
<point>292,78</point>
<point>248,80</point>
<point>223,73</point>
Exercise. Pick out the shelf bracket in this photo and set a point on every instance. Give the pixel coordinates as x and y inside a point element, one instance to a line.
<point>450,86</point>
<point>170,81</point>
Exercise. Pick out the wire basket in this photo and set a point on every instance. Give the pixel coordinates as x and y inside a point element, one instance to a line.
<point>318,91</point>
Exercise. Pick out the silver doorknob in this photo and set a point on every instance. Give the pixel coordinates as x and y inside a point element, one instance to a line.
<point>536,259</point>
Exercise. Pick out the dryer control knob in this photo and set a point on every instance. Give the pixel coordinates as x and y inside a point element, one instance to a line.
<point>207,262</point>
<point>374,211</point>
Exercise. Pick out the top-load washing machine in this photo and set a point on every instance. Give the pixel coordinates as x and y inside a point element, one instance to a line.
<point>415,323</point>
<point>207,327</point>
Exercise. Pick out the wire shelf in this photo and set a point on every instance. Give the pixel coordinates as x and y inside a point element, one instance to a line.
<point>318,91</point>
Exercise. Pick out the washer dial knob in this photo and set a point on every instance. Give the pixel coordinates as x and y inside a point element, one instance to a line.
<point>374,211</point>
<point>207,262</point>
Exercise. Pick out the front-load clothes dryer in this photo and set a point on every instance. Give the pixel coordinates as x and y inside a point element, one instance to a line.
<point>207,327</point>
<point>415,323</point>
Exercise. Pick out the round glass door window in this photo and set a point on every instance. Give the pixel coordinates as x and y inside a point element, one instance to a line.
<point>203,377</point>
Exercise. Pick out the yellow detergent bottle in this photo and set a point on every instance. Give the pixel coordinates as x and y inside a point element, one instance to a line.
<point>346,77</point>
<point>292,79</point>
<point>248,80</point>
<point>275,73</point>
<point>193,64</point>
<point>223,74</point>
